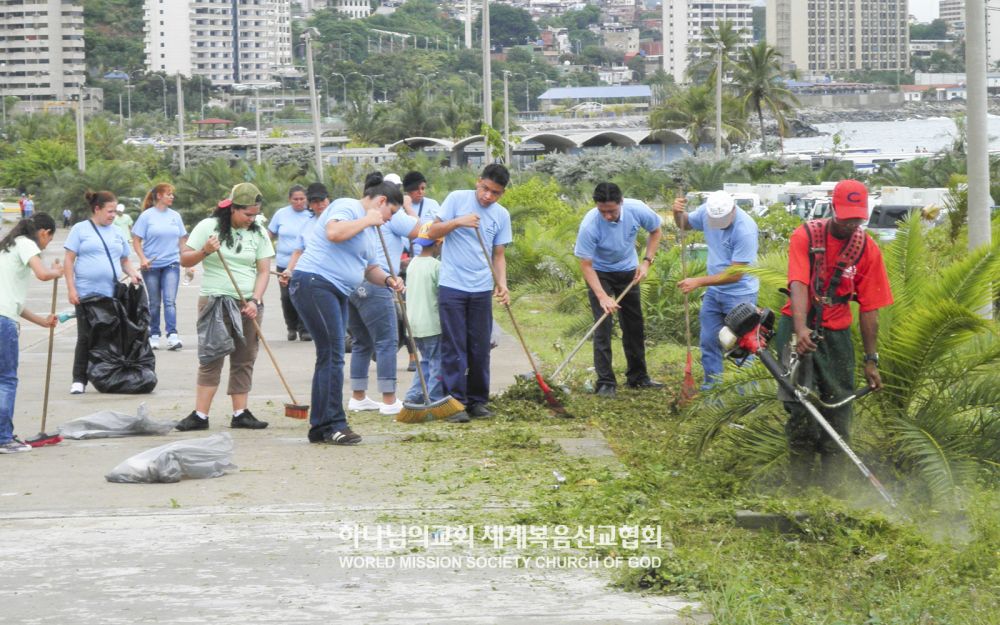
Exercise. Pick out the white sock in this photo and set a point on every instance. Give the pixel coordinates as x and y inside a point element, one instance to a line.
<point>237,413</point>
<point>201,415</point>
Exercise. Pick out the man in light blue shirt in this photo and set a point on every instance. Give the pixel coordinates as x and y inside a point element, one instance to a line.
<point>605,245</point>
<point>731,236</point>
<point>465,285</point>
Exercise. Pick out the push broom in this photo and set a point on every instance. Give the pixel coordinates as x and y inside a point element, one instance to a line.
<point>294,410</point>
<point>418,413</point>
<point>42,439</point>
<point>688,388</point>
<point>593,328</point>
<point>550,398</point>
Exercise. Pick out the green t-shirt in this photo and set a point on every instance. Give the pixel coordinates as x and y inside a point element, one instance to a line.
<point>247,248</point>
<point>14,274</point>
<point>124,223</point>
<point>422,296</point>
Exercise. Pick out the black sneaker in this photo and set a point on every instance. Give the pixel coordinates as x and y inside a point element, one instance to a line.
<point>192,422</point>
<point>346,436</point>
<point>247,421</point>
<point>305,336</point>
<point>459,417</point>
<point>647,383</point>
<point>605,391</point>
<point>292,335</point>
<point>479,411</point>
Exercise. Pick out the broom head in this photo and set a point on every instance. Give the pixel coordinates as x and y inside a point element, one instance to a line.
<point>689,388</point>
<point>296,411</point>
<point>42,439</point>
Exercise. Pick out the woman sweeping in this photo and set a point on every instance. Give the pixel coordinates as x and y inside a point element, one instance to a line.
<point>339,255</point>
<point>226,325</point>
<point>96,253</point>
<point>20,256</point>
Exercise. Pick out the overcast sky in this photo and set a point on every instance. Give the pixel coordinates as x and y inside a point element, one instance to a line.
<point>924,10</point>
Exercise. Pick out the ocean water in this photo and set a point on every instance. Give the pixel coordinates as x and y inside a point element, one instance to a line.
<point>899,136</point>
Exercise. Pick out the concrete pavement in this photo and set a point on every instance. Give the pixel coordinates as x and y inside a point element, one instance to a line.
<point>264,544</point>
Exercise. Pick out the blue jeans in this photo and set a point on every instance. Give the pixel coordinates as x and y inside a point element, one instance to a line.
<point>323,310</point>
<point>714,308</point>
<point>8,377</point>
<point>161,284</point>
<point>430,363</point>
<point>466,322</point>
<point>371,318</point>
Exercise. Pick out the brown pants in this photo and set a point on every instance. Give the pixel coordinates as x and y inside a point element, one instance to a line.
<point>240,361</point>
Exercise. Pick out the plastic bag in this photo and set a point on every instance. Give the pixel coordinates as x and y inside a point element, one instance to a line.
<point>195,458</point>
<point>111,424</point>
<point>120,359</point>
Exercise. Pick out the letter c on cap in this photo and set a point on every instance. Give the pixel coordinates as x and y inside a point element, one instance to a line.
<point>853,196</point>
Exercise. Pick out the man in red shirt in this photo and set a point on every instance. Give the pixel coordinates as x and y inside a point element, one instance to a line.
<point>817,322</point>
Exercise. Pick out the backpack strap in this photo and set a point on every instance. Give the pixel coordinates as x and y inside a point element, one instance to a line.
<point>823,289</point>
<point>817,259</point>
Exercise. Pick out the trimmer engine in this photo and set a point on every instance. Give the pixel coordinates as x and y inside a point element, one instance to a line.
<point>746,331</point>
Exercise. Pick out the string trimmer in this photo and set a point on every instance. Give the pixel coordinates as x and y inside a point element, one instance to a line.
<point>746,331</point>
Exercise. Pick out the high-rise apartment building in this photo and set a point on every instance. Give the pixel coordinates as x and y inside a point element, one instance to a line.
<point>354,9</point>
<point>684,24</point>
<point>224,41</point>
<point>824,37</point>
<point>41,49</point>
<point>953,13</point>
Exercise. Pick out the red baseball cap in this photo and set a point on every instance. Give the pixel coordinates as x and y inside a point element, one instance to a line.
<point>850,200</point>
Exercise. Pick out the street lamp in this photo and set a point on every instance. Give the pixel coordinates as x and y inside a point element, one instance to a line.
<point>342,77</point>
<point>3,96</point>
<point>506,121</point>
<point>164,81</point>
<point>308,35</point>
<point>326,91</point>
<point>372,78</point>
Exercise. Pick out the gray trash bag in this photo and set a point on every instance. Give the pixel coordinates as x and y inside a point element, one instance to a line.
<point>111,424</point>
<point>193,459</point>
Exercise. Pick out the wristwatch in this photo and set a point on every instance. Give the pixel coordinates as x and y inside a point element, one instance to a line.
<point>648,259</point>
<point>259,303</point>
<point>872,358</point>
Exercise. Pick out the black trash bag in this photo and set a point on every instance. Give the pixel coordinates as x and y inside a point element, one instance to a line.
<point>120,357</point>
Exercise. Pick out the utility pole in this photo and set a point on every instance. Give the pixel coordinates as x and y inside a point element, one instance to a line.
<point>256,116</point>
<point>487,76</point>
<point>718,107</point>
<point>81,148</point>
<point>308,35</point>
<point>468,24</point>
<point>977,143</point>
<point>180,122</point>
<point>506,121</point>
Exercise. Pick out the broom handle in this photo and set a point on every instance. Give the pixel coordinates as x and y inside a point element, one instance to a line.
<point>684,273</point>
<point>592,329</point>
<point>517,330</point>
<point>256,326</point>
<point>406,320</point>
<point>48,363</point>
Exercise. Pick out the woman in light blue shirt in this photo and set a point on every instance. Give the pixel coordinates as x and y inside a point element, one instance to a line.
<point>285,227</point>
<point>96,253</point>
<point>158,236</point>
<point>340,254</point>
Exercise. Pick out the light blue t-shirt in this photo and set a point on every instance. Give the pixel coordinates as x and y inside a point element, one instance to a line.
<point>29,208</point>
<point>342,264</point>
<point>398,229</point>
<point>426,211</point>
<point>92,271</point>
<point>287,223</point>
<point>735,244</point>
<point>610,245</point>
<point>463,266</point>
<point>160,231</point>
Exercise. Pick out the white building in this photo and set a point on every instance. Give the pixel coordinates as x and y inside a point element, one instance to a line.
<point>41,50</point>
<point>355,9</point>
<point>684,24</point>
<point>198,38</point>
<point>953,12</point>
<point>824,37</point>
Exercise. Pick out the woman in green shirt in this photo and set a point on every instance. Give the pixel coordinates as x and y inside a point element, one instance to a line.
<point>20,256</point>
<point>233,230</point>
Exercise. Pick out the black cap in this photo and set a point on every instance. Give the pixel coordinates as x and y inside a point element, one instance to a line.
<point>412,180</point>
<point>317,191</point>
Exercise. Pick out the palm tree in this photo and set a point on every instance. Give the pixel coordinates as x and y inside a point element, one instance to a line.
<point>414,115</point>
<point>693,110</point>
<point>366,123</point>
<point>705,61</point>
<point>758,80</point>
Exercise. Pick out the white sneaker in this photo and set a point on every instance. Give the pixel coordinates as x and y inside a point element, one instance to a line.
<point>358,405</point>
<point>77,388</point>
<point>154,342</point>
<point>391,409</point>
<point>14,447</point>
<point>174,342</point>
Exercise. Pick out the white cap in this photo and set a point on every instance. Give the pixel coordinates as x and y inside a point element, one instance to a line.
<point>720,209</point>
<point>393,178</point>
<point>120,208</point>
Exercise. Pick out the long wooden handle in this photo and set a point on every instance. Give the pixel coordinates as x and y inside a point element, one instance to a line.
<point>48,363</point>
<point>406,320</point>
<point>260,334</point>
<point>510,313</point>
<point>592,329</point>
